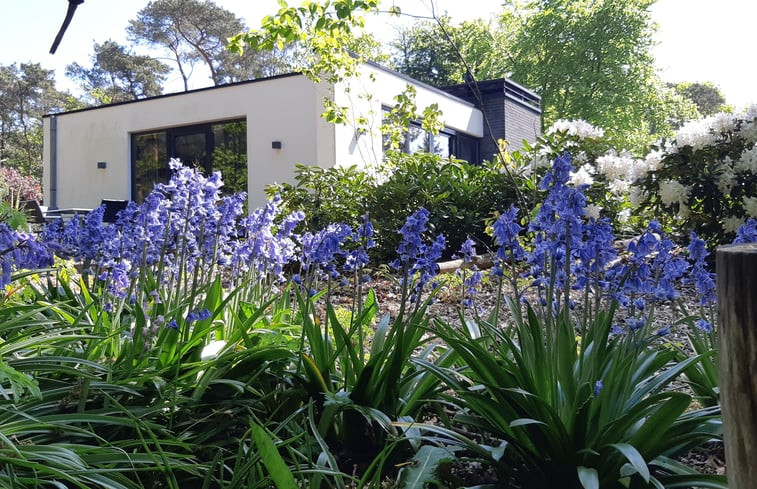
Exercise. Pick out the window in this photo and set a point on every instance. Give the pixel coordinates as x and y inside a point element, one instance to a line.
<point>218,146</point>
<point>446,143</point>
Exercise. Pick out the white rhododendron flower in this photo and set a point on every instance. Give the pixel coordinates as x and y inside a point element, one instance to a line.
<point>750,206</point>
<point>624,215</point>
<point>579,128</point>
<point>726,180</point>
<point>705,132</point>
<point>651,162</point>
<point>582,176</point>
<point>747,162</point>
<point>748,129</point>
<point>672,191</point>
<point>683,210</point>
<point>618,165</point>
<point>619,187</point>
<point>732,224</point>
<point>592,211</point>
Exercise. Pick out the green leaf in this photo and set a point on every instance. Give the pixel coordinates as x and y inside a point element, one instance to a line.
<point>272,460</point>
<point>422,468</point>
<point>635,458</point>
<point>588,477</point>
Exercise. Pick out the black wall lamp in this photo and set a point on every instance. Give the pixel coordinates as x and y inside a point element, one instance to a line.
<point>102,164</point>
<point>276,144</point>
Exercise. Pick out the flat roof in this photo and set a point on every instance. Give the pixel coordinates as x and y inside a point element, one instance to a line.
<point>176,94</point>
<point>372,64</point>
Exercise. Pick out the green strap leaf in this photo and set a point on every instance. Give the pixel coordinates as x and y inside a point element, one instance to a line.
<point>588,477</point>
<point>272,460</point>
<point>635,458</point>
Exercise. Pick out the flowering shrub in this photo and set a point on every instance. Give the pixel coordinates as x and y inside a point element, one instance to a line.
<point>602,172</point>
<point>15,187</point>
<point>705,178</point>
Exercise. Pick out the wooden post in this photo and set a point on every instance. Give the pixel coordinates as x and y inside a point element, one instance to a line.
<point>737,318</point>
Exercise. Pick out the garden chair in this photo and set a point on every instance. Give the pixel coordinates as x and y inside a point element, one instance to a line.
<point>112,208</point>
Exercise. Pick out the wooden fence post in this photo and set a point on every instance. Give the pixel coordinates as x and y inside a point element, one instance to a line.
<point>737,318</point>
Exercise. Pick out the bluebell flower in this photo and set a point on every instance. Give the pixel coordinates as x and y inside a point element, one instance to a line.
<point>597,388</point>
<point>468,250</point>
<point>635,324</point>
<point>747,232</point>
<point>700,276</point>
<point>415,256</point>
<point>172,324</point>
<point>20,250</point>
<point>704,325</point>
<point>663,331</point>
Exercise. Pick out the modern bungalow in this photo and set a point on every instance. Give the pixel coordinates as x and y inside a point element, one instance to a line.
<point>255,132</point>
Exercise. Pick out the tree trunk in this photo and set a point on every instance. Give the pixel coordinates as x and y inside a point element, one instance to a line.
<point>737,313</point>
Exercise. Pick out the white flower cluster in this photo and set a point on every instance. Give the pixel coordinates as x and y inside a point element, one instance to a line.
<point>582,176</point>
<point>747,162</point>
<point>750,206</point>
<point>705,132</point>
<point>578,128</point>
<point>673,191</point>
<point>616,165</point>
<point>727,178</point>
<point>732,224</point>
<point>748,129</point>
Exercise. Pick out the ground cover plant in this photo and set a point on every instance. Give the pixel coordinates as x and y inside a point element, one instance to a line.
<point>194,346</point>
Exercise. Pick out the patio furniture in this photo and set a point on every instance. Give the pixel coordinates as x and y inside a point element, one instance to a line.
<point>37,214</point>
<point>112,208</point>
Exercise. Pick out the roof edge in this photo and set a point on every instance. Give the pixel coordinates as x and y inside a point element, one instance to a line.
<point>174,94</point>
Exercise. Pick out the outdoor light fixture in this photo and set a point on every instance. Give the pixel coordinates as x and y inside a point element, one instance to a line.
<point>276,144</point>
<point>102,164</point>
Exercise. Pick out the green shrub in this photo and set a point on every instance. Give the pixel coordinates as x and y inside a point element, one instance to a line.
<point>460,197</point>
<point>325,195</point>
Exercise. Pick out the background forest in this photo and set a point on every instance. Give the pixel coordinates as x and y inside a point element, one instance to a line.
<point>587,60</point>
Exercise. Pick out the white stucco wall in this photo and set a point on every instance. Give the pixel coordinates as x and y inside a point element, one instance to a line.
<point>285,109</point>
<point>377,87</point>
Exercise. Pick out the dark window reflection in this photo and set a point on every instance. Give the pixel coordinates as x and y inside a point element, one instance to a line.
<point>220,146</point>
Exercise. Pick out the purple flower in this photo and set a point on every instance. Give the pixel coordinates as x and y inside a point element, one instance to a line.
<point>663,331</point>
<point>703,325</point>
<point>747,232</point>
<point>597,388</point>
<point>635,324</point>
<point>700,276</point>
<point>20,250</point>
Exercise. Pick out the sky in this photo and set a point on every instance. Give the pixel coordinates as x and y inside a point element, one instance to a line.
<point>697,40</point>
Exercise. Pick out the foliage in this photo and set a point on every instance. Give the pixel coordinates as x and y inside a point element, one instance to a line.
<point>587,60</point>
<point>584,58</point>
<point>325,195</point>
<point>118,75</point>
<point>706,96</point>
<point>704,178</point>
<point>460,197</point>
<point>196,31</point>
<point>328,33</point>
<point>417,52</point>
<point>27,92</point>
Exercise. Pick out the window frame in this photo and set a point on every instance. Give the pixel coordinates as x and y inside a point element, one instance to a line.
<point>171,133</point>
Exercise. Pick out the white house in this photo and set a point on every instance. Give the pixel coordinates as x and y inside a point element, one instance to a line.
<point>255,132</point>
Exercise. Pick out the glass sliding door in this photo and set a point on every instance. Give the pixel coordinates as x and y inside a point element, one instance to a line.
<point>217,146</point>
